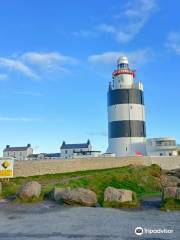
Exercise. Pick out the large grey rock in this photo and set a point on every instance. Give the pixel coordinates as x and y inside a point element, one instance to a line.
<point>118,195</point>
<point>0,188</point>
<point>59,193</point>
<point>178,193</point>
<point>175,172</point>
<point>169,192</point>
<point>79,196</point>
<point>30,189</point>
<point>169,181</point>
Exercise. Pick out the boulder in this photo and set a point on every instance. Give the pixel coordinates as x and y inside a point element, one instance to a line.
<point>29,190</point>
<point>169,192</point>
<point>174,172</point>
<point>169,181</point>
<point>0,188</point>
<point>79,196</point>
<point>178,193</point>
<point>118,195</point>
<point>59,193</point>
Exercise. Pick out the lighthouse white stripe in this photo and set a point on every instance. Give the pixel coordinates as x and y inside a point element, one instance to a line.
<point>127,146</point>
<point>121,112</point>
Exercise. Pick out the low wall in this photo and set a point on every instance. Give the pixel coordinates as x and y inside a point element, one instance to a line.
<point>40,167</point>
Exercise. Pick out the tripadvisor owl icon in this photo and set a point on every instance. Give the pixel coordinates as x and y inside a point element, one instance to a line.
<point>139,231</point>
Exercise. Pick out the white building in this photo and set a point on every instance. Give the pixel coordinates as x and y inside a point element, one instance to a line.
<point>18,153</point>
<point>165,146</point>
<point>43,156</point>
<point>126,115</point>
<point>79,149</point>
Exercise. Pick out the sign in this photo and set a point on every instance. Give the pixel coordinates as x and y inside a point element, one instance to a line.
<point>6,167</point>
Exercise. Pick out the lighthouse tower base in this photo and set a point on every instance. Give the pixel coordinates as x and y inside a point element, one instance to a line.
<point>127,146</point>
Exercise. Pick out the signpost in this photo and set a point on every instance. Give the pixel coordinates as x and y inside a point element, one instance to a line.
<point>6,167</point>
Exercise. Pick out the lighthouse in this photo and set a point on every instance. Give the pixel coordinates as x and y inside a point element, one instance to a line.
<point>126,116</point>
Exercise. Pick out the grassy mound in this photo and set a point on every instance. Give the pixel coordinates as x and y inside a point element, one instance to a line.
<point>171,204</point>
<point>144,181</point>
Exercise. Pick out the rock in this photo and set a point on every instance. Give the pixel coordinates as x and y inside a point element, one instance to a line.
<point>169,181</point>
<point>118,195</point>
<point>0,188</point>
<point>79,196</point>
<point>30,189</point>
<point>175,172</point>
<point>59,193</point>
<point>169,192</point>
<point>178,193</point>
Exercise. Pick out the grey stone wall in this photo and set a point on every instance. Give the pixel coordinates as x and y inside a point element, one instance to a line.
<point>40,167</point>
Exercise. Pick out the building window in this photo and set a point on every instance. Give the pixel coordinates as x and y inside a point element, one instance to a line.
<point>161,154</point>
<point>170,154</point>
<point>66,151</point>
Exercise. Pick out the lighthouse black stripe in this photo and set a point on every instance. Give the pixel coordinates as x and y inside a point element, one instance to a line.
<point>127,128</point>
<point>123,96</point>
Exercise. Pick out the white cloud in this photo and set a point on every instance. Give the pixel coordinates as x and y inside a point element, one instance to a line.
<point>35,64</point>
<point>3,77</point>
<point>135,58</point>
<point>134,16</point>
<point>16,65</point>
<point>48,59</point>
<point>173,42</point>
<point>20,119</point>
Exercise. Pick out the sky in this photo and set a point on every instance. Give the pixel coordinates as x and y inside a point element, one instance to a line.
<point>57,57</point>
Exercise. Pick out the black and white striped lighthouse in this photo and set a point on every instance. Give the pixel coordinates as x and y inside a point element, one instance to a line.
<point>126,117</point>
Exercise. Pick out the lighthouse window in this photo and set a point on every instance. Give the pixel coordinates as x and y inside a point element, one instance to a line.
<point>123,65</point>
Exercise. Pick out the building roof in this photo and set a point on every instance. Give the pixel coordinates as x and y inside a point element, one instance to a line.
<point>76,145</point>
<point>14,149</point>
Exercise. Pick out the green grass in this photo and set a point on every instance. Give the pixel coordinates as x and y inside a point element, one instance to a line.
<point>144,181</point>
<point>171,204</point>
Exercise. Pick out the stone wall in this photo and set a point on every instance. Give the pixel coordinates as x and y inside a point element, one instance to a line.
<point>40,167</point>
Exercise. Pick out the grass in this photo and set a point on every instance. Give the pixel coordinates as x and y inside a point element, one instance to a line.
<point>171,204</point>
<point>144,181</point>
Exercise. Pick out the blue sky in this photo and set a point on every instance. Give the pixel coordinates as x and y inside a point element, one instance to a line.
<point>56,59</point>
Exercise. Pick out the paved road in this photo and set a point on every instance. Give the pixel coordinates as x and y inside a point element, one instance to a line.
<point>53,222</point>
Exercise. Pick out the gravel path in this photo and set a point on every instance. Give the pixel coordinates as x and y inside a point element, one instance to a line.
<point>53,222</point>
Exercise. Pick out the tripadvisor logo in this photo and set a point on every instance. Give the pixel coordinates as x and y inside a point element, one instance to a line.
<point>139,231</point>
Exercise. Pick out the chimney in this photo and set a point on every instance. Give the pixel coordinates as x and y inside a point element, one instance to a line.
<point>7,146</point>
<point>28,145</point>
